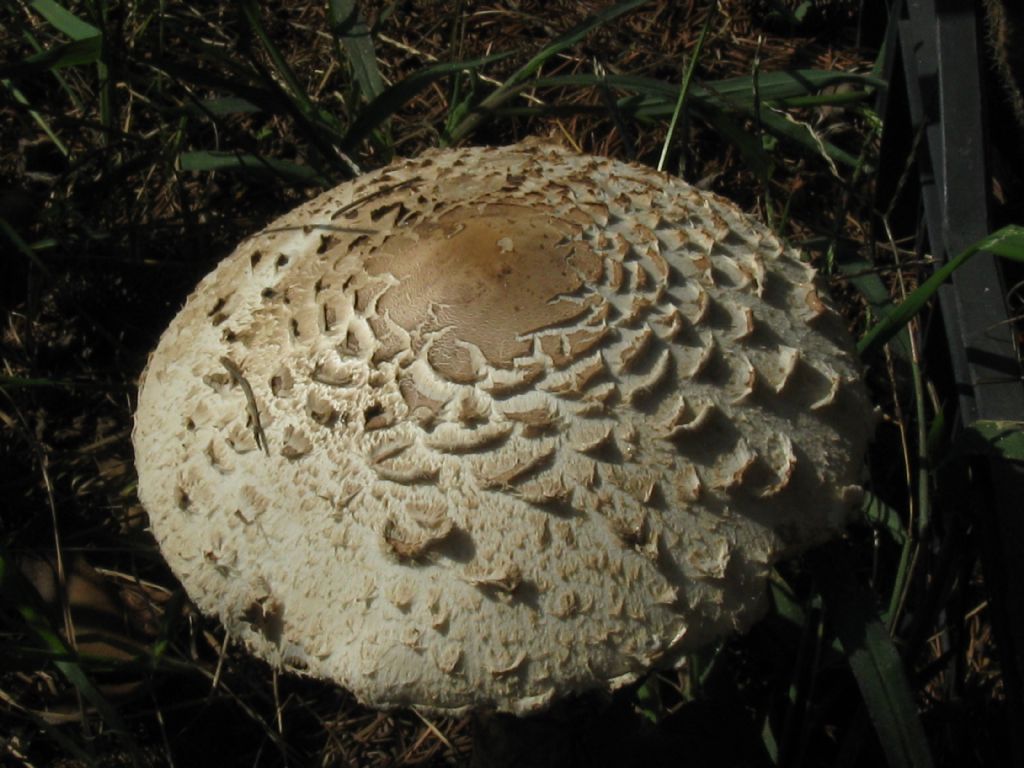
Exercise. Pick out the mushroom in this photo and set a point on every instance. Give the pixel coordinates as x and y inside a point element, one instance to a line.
<point>492,426</point>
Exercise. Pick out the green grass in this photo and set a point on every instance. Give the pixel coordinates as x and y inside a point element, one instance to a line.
<point>156,135</point>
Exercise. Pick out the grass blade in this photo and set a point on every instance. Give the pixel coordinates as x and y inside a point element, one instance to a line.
<point>353,34</point>
<point>63,20</point>
<point>16,592</point>
<point>25,382</point>
<point>22,247</point>
<point>285,170</point>
<point>710,101</point>
<point>691,66</point>
<point>861,276</point>
<point>749,145</point>
<point>778,89</point>
<point>510,87</point>
<point>783,126</point>
<point>73,54</point>
<point>229,105</point>
<point>885,518</point>
<point>1004,439</point>
<point>251,12</point>
<point>232,82</point>
<point>19,97</point>
<point>401,93</point>
<point>874,661</point>
<point>570,39</point>
<point>1007,242</point>
<point>790,88</point>
<point>321,128</point>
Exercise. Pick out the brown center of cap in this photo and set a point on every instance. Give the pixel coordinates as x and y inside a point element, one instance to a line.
<point>485,276</point>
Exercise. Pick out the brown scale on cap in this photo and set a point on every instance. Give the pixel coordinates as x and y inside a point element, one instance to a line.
<point>498,425</point>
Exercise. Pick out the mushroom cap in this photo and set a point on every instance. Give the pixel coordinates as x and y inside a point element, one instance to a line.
<point>493,425</point>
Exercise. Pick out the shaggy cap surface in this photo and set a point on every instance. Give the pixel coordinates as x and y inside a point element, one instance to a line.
<point>493,425</point>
